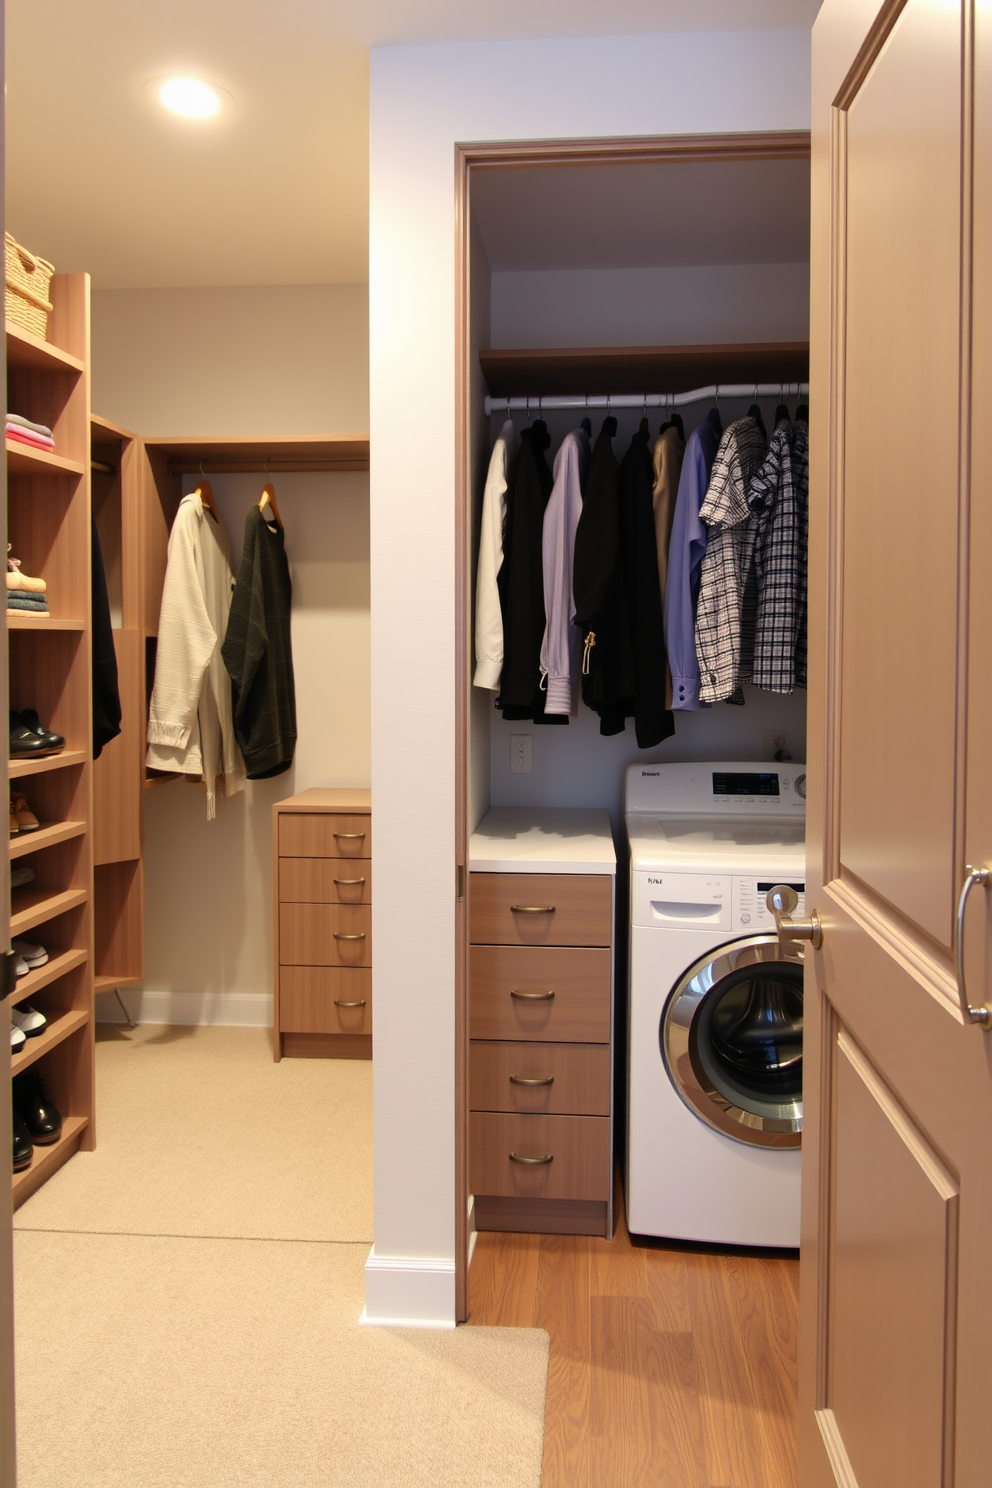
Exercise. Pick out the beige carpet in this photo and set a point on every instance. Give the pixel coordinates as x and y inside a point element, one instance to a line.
<point>187,1296</point>
<point>200,1132</point>
<point>165,1363</point>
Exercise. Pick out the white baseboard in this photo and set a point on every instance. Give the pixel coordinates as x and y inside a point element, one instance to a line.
<point>197,1009</point>
<point>409,1292</point>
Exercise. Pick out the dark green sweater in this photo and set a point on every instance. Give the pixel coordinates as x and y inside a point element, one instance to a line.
<point>258,653</point>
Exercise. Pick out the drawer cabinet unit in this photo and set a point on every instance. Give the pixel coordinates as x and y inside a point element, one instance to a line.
<point>541,931</point>
<point>323,932</point>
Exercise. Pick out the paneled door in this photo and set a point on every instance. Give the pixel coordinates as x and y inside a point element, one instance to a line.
<point>896,1351</point>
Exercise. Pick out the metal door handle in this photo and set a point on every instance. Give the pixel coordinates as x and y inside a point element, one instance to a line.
<point>348,882</point>
<point>532,1162</point>
<point>781,901</point>
<point>531,996</point>
<point>359,1003</point>
<point>351,836</point>
<point>532,908</point>
<point>980,1015</point>
<point>339,935</point>
<point>529,1080</point>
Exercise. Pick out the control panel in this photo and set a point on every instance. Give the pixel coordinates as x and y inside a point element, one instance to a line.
<point>718,788</point>
<point>749,911</point>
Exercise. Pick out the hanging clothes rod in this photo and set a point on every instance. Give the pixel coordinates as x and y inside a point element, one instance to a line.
<point>607,403</point>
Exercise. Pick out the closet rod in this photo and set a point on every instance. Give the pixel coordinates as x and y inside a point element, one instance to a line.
<point>606,402</point>
<point>274,466</point>
<point>103,468</point>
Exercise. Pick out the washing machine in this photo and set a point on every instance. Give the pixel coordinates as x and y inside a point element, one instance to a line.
<point>715,1105</point>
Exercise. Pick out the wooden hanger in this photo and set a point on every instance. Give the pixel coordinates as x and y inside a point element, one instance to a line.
<point>206,495</point>
<point>268,498</point>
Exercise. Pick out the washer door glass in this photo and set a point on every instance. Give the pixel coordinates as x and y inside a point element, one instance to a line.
<point>732,1040</point>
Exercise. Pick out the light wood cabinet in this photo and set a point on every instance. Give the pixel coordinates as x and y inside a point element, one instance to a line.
<point>323,940</point>
<point>541,1022</point>
<point>49,662</point>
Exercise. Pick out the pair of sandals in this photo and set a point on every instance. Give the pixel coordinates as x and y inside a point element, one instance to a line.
<point>29,739</point>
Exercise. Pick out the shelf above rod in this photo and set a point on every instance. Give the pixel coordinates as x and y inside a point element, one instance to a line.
<point>606,402</point>
<point>275,466</point>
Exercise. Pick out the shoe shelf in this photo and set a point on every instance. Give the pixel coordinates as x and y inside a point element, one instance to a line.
<point>32,907</point>
<point>42,622</point>
<point>60,1026</point>
<point>18,768</point>
<point>28,353</point>
<point>45,836</point>
<point>23,460</point>
<point>55,967</point>
<point>48,1160</point>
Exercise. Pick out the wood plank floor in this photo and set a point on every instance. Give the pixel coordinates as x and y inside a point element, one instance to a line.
<point>669,1368</point>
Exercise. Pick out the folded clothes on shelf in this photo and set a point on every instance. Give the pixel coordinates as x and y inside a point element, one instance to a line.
<point>22,429</point>
<point>26,599</point>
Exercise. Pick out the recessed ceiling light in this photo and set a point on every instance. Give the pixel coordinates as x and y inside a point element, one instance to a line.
<point>189,97</point>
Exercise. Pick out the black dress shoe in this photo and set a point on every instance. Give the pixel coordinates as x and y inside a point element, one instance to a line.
<point>23,1150</point>
<point>29,718</point>
<point>36,1109</point>
<point>25,744</point>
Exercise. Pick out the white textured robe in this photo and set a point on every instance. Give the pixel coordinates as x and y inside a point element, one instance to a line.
<point>190,727</point>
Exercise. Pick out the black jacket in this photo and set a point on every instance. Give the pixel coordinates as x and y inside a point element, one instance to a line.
<point>599,594</point>
<point>653,722</point>
<point>258,654</point>
<point>521,581</point>
<point>106,691</point>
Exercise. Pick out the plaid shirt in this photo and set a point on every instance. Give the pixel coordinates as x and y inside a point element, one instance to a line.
<point>723,582</point>
<point>772,499</point>
<point>800,476</point>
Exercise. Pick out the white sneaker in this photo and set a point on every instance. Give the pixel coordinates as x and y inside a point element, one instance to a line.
<point>21,876</point>
<point>34,955</point>
<point>29,1020</point>
<point>17,1038</point>
<point>21,967</point>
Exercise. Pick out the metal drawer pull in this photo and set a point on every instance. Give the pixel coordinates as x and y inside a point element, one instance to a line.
<point>359,1003</point>
<point>351,836</point>
<point>532,1162</point>
<point>339,935</point>
<point>532,908</point>
<point>980,1015</point>
<point>529,1080</point>
<point>348,882</point>
<point>532,996</point>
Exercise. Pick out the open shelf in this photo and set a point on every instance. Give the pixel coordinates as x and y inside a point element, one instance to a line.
<point>574,371</point>
<point>109,983</point>
<point>48,1160</point>
<point>17,768</point>
<point>23,460</point>
<point>31,354</point>
<point>54,967</point>
<point>31,907</point>
<point>279,453</point>
<point>45,836</point>
<point>60,1027</point>
<point>42,622</point>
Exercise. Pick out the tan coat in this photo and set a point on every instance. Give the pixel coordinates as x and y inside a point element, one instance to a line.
<point>668,452</point>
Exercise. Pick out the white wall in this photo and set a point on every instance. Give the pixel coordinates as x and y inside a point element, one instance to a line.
<point>423,100</point>
<point>268,359</point>
<point>273,360</point>
<point>651,307</point>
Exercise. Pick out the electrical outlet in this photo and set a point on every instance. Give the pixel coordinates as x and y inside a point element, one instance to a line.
<point>775,745</point>
<point>521,746</point>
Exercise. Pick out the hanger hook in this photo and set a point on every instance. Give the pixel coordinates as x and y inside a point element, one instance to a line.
<point>266,465</point>
<point>202,471</point>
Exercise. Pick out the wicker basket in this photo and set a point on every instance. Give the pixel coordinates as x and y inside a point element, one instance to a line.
<point>28,281</point>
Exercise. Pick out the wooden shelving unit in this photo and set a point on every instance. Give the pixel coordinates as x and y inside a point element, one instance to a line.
<point>50,671</point>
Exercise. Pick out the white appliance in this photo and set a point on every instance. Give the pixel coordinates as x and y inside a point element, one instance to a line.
<point>715,1012</point>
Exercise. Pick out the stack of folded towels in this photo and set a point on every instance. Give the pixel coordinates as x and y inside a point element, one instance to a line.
<point>25,596</point>
<point>39,436</point>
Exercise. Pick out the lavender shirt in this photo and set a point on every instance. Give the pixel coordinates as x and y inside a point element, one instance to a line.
<point>685,557</point>
<point>560,647</point>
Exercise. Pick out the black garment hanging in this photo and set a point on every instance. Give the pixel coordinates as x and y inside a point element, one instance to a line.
<point>653,722</point>
<point>106,690</point>
<point>599,593</point>
<point>520,582</point>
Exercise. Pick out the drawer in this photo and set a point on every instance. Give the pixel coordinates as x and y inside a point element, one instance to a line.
<point>324,881</point>
<point>541,909</point>
<point>579,1011</point>
<point>325,935</point>
<point>578,1146</point>
<point>302,835</point>
<point>324,999</point>
<point>572,1079</point>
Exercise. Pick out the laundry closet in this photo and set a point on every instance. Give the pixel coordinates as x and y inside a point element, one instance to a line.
<point>597,285</point>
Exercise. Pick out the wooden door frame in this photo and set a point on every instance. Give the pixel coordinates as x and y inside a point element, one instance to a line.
<point>503,155</point>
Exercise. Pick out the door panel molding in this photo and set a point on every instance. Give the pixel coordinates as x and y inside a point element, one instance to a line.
<point>926,963</point>
<point>869,53</point>
<point>840,1463</point>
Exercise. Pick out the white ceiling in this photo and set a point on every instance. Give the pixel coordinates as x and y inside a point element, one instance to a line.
<point>716,212</point>
<point>276,190</point>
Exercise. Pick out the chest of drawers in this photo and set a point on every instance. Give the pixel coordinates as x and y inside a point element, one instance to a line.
<point>541,931</point>
<point>322,841</point>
